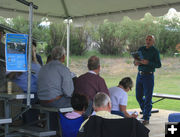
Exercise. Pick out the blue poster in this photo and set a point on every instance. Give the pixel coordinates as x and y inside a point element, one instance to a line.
<point>16,52</point>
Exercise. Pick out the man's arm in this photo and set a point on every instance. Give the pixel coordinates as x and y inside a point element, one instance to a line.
<point>67,84</point>
<point>157,62</point>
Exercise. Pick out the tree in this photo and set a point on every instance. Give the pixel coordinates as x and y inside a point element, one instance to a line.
<point>135,31</point>
<point>169,36</point>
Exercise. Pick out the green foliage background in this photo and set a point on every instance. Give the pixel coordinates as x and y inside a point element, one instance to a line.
<point>114,38</point>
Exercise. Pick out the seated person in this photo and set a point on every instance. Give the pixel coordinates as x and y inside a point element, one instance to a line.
<point>105,124</point>
<point>71,122</point>
<point>20,79</point>
<point>102,107</point>
<point>119,98</point>
<point>39,59</point>
<point>49,58</point>
<point>91,82</point>
<point>55,84</point>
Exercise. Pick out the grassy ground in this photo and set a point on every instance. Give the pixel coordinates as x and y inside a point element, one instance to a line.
<point>167,78</point>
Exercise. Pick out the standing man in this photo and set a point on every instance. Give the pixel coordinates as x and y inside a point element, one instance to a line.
<point>91,82</point>
<point>145,76</point>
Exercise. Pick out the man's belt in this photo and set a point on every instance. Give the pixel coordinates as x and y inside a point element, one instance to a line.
<point>52,100</point>
<point>145,73</point>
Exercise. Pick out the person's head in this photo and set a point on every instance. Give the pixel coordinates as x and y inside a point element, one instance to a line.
<point>2,32</point>
<point>34,45</point>
<point>101,102</point>
<point>126,83</point>
<point>58,53</point>
<point>49,58</point>
<point>93,63</point>
<point>150,40</point>
<point>79,102</point>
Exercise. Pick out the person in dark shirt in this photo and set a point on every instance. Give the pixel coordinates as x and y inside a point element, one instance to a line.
<point>39,59</point>
<point>91,82</point>
<point>145,76</point>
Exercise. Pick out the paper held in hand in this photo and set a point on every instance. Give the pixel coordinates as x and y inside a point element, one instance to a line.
<point>137,55</point>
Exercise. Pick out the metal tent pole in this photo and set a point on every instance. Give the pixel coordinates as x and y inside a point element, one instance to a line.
<point>31,6</point>
<point>30,53</point>
<point>68,41</point>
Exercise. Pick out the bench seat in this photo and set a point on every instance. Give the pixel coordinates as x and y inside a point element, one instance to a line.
<point>34,131</point>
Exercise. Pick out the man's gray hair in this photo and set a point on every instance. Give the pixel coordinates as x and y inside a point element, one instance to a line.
<point>152,36</point>
<point>58,52</point>
<point>101,100</point>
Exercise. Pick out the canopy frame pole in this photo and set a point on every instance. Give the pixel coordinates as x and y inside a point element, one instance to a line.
<point>68,21</point>
<point>30,54</point>
<point>31,6</point>
<point>68,41</point>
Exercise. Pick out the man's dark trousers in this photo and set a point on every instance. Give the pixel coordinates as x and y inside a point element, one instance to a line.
<point>144,91</point>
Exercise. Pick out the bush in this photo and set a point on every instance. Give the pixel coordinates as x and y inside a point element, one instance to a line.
<point>169,36</point>
<point>109,38</point>
<point>57,34</point>
<point>78,40</point>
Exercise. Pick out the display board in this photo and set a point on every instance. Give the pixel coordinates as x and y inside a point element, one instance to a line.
<point>16,52</point>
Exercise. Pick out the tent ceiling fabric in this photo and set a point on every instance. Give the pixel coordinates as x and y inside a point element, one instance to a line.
<point>83,10</point>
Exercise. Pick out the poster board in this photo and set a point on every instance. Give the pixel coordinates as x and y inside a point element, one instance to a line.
<point>16,52</point>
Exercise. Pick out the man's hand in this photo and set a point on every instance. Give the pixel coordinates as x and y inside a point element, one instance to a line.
<point>137,62</point>
<point>144,61</point>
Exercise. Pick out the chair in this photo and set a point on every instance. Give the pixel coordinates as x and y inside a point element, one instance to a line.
<point>99,127</point>
<point>70,127</point>
<point>174,117</point>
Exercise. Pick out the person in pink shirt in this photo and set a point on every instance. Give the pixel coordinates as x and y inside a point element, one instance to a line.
<point>71,122</point>
<point>79,104</point>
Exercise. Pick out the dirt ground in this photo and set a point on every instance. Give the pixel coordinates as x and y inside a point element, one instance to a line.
<point>123,66</point>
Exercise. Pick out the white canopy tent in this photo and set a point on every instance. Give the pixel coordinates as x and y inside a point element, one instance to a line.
<point>84,10</point>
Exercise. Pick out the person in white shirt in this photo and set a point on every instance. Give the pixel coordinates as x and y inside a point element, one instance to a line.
<point>119,98</point>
